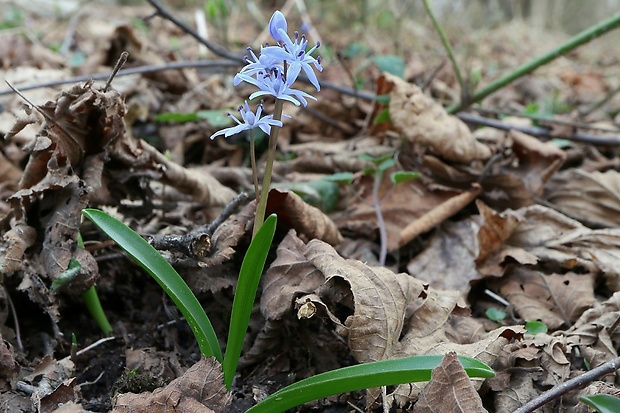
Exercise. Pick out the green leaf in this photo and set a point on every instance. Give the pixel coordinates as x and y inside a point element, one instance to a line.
<point>386,164</point>
<point>391,64</point>
<point>166,276</point>
<point>340,177</point>
<point>383,117</point>
<point>362,376</point>
<point>67,275</point>
<point>216,118</point>
<point>535,327</point>
<point>603,403</point>
<point>399,177</point>
<point>249,277</point>
<point>495,314</point>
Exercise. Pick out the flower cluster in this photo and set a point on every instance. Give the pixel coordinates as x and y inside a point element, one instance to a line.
<point>273,72</point>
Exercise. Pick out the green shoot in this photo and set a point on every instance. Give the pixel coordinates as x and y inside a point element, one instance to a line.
<point>91,299</point>
<point>362,376</point>
<point>166,276</point>
<point>535,327</point>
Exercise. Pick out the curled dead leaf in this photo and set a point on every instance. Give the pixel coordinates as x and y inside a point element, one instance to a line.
<point>309,222</point>
<point>421,120</point>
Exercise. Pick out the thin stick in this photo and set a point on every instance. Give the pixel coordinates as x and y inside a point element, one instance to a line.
<point>572,43</point>
<point>540,132</point>
<point>572,384</point>
<point>163,12</point>
<point>119,63</point>
<point>125,72</point>
<point>380,221</point>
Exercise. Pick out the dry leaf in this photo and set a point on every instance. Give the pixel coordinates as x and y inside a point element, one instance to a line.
<point>309,222</point>
<point>200,390</point>
<point>590,196</point>
<point>450,390</point>
<point>555,299</point>
<point>423,121</point>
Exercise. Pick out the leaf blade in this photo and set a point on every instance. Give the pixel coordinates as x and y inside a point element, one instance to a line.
<point>166,276</point>
<point>362,376</point>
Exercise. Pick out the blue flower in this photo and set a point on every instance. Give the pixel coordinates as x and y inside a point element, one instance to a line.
<point>250,121</point>
<point>293,52</point>
<point>277,22</point>
<point>261,65</point>
<point>273,84</point>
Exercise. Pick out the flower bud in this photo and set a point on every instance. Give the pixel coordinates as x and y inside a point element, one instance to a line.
<point>278,21</point>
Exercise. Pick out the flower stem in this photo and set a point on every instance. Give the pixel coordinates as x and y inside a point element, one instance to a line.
<point>271,155</point>
<point>253,162</point>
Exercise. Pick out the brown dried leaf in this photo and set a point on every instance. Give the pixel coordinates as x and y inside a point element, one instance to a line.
<point>399,207</point>
<point>139,155</point>
<point>20,237</point>
<point>449,390</point>
<point>555,299</point>
<point>200,390</point>
<point>381,299</point>
<point>593,329</point>
<point>289,276</point>
<point>590,196</point>
<point>448,261</point>
<point>423,121</point>
<point>309,222</point>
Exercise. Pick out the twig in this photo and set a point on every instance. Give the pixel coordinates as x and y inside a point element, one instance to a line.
<point>163,12</point>
<point>125,72</point>
<point>572,384</point>
<point>197,242</point>
<point>119,63</point>
<point>540,132</point>
<point>446,45</point>
<point>572,43</point>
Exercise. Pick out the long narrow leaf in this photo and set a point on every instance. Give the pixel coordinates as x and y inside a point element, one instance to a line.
<point>362,376</point>
<point>249,277</point>
<point>166,276</point>
<point>603,403</point>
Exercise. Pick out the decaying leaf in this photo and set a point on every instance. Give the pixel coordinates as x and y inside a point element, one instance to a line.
<point>421,120</point>
<point>308,221</point>
<point>141,156</point>
<point>590,196</point>
<point>450,390</point>
<point>555,299</point>
<point>200,390</point>
<point>20,237</point>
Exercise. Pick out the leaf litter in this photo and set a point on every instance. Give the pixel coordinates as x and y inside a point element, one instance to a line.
<point>542,235</point>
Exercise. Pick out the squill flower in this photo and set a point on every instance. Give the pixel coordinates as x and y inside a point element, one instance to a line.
<point>250,121</point>
<point>275,85</point>
<point>292,52</point>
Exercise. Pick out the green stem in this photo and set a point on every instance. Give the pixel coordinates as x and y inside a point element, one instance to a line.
<point>91,299</point>
<point>261,208</point>
<point>574,42</point>
<point>253,162</point>
<point>446,45</point>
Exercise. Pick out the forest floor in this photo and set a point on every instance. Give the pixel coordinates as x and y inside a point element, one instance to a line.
<point>506,248</point>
